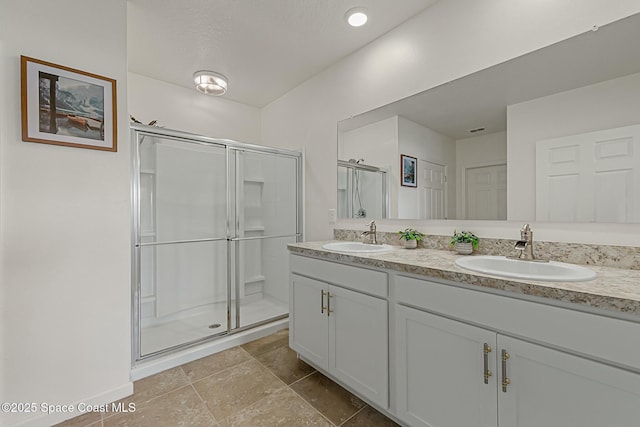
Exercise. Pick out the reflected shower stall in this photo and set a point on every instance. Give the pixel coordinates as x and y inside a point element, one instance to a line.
<point>211,222</point>
<point>362,190</point>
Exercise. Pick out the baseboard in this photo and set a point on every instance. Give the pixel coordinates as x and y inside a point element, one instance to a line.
<point>46,420</point>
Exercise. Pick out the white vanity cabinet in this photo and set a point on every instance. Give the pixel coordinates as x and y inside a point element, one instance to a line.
<point>439,367</point>
<point>554,388</point>
<point>339,323</point>
<point>452,373</point>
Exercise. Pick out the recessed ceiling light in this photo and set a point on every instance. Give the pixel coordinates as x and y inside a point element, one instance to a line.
<point>210,82</point>
<point>356,17</point>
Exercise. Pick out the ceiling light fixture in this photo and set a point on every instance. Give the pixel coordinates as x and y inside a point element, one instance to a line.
<point>356,17</point>
<point>210,82</point>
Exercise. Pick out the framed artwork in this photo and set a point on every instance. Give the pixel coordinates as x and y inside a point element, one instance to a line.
<point>64,106</point>
<point>408,167</point>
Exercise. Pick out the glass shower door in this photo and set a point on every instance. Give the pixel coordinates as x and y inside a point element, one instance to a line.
<point>267,219</point>
<point>181,243</point>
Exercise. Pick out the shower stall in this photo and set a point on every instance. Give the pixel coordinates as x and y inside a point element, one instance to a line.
<point>211,222</point>
<point>362,190</point>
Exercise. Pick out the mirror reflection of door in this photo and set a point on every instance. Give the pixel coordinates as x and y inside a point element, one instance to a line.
<point>486,192</point>
<point>433,187</point>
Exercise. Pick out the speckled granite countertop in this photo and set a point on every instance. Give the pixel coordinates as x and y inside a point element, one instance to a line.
<point>614,289</point>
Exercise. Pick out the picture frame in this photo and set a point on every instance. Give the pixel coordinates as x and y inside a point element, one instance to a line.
<point>408,171</point>
<point>83,111</point>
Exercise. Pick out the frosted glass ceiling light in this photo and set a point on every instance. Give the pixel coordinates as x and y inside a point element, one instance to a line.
<point>356,17</point>
<point>210,82</point>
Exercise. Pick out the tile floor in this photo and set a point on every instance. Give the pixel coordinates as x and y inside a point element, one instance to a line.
<point>261,383</point>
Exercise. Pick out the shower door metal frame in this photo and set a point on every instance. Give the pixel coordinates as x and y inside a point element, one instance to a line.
<point>351,167</point>
<point>138,132</point>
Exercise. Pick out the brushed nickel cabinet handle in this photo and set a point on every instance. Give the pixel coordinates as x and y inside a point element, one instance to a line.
<point>505,380</point>
<point>487,373</point>
<point>322,306</point>
<point>329,311</point>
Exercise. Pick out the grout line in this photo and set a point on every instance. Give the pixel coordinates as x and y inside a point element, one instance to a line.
<point>313,407</point>
<point>148,401</point>
<point>251,359</point>
<point>305,377</point>
<point>219,372</point>
<point>206,407</point>
<point>191,381</point>
<point>253,403</point>
<point>356,413</point>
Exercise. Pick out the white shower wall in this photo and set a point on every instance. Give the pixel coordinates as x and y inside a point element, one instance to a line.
<point>269,209</point>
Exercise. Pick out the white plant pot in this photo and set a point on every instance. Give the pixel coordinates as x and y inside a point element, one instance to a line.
<point>463,248</point>
<point>410,244</point>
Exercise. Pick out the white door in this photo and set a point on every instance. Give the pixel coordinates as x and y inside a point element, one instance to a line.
<point>309,326</point>
<point>432,188</point>
<point>590,177</point>
<point>486,192</point>
<point>358,344</point>
<point>440,366</point>
<point>552,388</point>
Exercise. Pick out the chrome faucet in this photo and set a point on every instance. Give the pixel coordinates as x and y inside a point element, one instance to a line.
<point>371,233</point>
<point>525,245</point>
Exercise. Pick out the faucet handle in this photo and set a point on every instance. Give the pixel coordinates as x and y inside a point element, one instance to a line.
<point>525,228</point>
<point>371,224</point>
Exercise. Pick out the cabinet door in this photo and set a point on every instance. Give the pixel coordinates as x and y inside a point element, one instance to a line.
<point>358,343</point>
<point>309,328</point>
<point>552,388</point>
<point>440,371</point>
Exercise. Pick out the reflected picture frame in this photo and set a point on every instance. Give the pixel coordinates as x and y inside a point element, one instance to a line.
<point>408,171</point>
<point>68,107</point>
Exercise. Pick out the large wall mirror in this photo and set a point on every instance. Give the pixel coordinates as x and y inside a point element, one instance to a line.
<point>553,135</point>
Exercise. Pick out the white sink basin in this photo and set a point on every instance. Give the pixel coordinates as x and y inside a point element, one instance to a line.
<point>357,247</point>
<point>549,271</point>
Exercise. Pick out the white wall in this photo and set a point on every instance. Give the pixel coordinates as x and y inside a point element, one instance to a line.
<point>446,41</point>
<point>477,151</point>
<point>376,143</point>
<point>426,144</point>
<point>65,235</point>
<point>179,108</point>
<point>605,105</point>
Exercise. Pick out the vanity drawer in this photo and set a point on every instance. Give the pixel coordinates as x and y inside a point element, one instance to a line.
<point>359,279</point>
<point>593,335</point>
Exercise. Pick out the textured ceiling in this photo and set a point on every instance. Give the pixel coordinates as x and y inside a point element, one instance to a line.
<point>264,47</point>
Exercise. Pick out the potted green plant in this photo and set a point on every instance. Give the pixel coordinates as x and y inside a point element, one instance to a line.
<point>411,237</point>
<point>464,242</point>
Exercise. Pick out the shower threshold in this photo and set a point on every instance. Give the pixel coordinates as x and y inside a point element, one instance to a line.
<point>159,337</point>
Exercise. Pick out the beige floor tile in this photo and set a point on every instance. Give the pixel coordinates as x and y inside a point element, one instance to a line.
<point>82,420</point>
<point>234,389</point>
<point>333,401</point>
<point>285,364</point>
<point>369,417</point>
<point>179,408</point>
<point>268,343</point>
<point>283,408</point>
<point>206,366</point>
<point>156,385</point>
